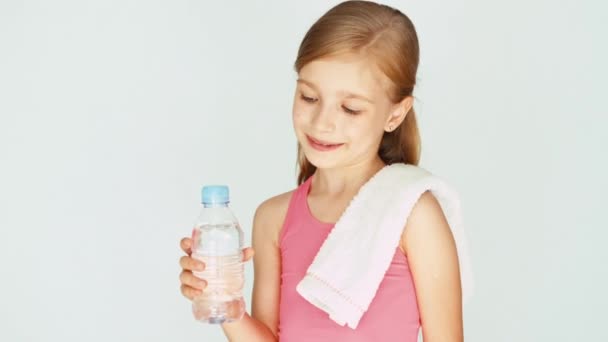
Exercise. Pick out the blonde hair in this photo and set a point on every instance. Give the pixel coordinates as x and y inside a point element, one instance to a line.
<point>388,38</point>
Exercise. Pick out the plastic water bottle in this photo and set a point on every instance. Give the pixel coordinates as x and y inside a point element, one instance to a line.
<point>218,242</point>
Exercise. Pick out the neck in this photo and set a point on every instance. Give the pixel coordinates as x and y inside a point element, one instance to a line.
<point>346,179</point>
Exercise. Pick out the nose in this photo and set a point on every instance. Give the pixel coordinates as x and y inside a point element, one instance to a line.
<point>323,120</point>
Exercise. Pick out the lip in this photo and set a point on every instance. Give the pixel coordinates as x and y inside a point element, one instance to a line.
<point>321,145</point>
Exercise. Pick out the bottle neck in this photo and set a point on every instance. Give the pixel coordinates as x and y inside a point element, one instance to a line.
<point>215,205</point>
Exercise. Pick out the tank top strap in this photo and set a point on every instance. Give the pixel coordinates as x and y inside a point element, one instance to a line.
<point>297,206</point>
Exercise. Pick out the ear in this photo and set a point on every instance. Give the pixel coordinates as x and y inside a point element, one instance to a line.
<point>398,113</point>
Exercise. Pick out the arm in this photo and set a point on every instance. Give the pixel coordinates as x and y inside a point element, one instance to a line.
<point>262,325</point>
<point>248,329</point>
<point>431,251</point>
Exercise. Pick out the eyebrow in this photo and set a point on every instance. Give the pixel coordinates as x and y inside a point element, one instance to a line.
<point>342,92</point>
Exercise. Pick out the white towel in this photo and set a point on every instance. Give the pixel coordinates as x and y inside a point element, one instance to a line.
<point>350,265</point>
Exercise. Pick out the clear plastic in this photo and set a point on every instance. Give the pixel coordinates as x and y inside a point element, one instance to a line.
<point>218,242</point>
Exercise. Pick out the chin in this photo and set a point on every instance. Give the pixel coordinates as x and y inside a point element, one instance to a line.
<point>322,160</point>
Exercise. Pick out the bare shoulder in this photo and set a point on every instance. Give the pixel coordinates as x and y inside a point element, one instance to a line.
<point>433,261</point>
<point>270,215</point>
<point>427,208</point>
<point>267,224</point>
<point>426,221</point>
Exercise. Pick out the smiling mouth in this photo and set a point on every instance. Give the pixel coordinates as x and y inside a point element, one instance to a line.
<point>322,145</point>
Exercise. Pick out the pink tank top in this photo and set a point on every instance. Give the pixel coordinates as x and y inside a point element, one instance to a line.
<point>392,316</point>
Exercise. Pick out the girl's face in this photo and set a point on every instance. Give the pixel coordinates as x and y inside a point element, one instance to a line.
<point>341,110</point>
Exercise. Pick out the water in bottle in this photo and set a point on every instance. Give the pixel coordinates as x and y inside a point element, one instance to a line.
<point>217,240</point>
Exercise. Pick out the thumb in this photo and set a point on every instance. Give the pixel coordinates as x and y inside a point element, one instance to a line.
<point>247,253</point>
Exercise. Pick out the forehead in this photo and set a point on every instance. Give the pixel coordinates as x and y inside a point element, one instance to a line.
<point>346,72</point>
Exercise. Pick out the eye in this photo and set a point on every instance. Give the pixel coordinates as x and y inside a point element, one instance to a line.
<point>351,111</point>
<point>308,99</point>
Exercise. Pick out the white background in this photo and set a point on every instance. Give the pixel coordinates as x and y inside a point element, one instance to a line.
<point>113,114</point>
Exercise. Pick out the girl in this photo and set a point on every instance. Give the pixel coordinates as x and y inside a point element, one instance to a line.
<point>352,115</point>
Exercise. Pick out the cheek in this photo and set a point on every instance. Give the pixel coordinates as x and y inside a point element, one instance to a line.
<point>299,114</point>
<point>366,133</point>
<point>297,122</point>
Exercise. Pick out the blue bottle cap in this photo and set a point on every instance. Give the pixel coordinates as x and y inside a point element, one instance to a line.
<point>215,194</point>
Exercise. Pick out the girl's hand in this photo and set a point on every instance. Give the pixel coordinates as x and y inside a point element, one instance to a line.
<point>192,286</point>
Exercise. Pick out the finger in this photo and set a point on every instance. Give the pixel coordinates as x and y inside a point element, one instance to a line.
<point>190,292</point>
<point>186,245</point>
<point>187,278</point>
<point>191,264</point>
<point>247,253</point>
